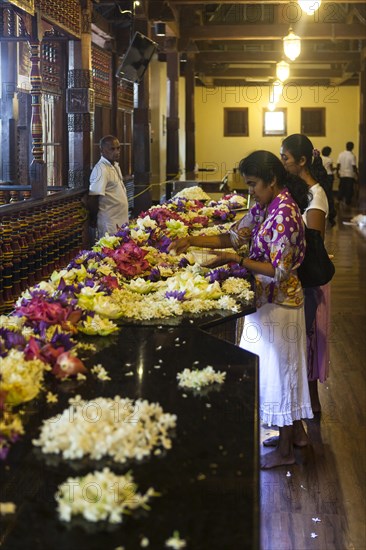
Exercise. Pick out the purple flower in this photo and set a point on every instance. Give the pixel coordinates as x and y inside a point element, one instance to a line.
<point>163,244</point>
<point>124,233</point>
<point>235,270</point>
<point>60,339</point>
<point>155,275</point>
<point>175,294</point>
<point>220,274</point>
<point>183,262</point>
<point>10,339</point>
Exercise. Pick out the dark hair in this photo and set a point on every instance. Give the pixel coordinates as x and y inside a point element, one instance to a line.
<point>106,139</point>
<point>267,167</point>
<point>349,145</point>
<point>299,146</point>
<point>326,151</point>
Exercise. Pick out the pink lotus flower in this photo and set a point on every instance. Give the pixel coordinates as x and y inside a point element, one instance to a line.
<point>53,313</point>
<point>129,259</point>
<point>161,216</point>
<point>68,365</point>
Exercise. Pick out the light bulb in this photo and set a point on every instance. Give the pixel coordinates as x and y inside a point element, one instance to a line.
<point>282,70</point>
<point>292,45</point>
<point>309,6</point>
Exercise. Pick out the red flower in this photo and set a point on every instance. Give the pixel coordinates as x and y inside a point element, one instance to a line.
<point>53,313</point>
<point>129,259</point>
<point>110,282</point>
<point>68,365</point>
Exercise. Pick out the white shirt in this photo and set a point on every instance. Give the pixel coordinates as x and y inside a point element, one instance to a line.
<point>328,163</point>
<point>318,202</point>
<point>347,161</point>
<point>107,182</point>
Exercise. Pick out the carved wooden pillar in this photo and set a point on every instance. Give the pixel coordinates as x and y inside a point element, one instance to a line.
<point>80,104</point>
<point>37,174</point>
<point>141,138</point>
<point>172,121</point>
<point>190,118</point>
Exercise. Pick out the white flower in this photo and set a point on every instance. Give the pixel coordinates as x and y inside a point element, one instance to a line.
<point>193,193</point>
<point>313,535</point>
<point>101,373</point>
<point>51,397</point>
<point>100,496</point>
<point>175,542</point>
<point>198,379</point>
<point>119,428</point>
<point>146,223</point>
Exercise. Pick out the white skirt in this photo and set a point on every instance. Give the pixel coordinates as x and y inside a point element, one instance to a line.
<point>277,335</point>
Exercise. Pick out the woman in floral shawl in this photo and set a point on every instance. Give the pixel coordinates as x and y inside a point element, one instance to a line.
<point>269,242</point>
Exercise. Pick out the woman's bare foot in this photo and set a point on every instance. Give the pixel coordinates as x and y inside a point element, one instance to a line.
<point>275,458</point>
<point>300,438</point>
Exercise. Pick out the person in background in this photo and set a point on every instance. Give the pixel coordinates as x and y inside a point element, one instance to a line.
<point>300,158</point>
<point>330,169</point>
<point>107,201</point>
<point>269,242</point>
<point>347,173</point>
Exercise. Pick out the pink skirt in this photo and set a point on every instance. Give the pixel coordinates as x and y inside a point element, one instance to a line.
<point>318,343</point>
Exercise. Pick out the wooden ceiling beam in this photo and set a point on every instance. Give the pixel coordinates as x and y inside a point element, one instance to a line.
<point>305,82</point>
<point>271,73</point>
<point>275,57</point>
<point>314,31</point>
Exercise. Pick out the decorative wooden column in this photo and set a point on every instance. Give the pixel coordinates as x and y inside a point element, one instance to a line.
<point>190,118</point>
<point>141,138</point>
<point>80,104</point>
<point>172,121</point>
<point>37,168</point>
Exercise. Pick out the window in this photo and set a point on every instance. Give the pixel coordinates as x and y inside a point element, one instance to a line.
<point>274,122</point>
<point>313,121</point>
<point>236,122</point>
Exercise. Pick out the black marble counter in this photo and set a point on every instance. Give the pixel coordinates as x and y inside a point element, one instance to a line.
<point>209,479</point>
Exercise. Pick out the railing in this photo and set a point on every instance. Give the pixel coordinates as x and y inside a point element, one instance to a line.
<point>36,237</point>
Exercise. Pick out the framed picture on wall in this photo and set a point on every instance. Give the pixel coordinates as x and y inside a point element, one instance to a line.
<point>236,122</point>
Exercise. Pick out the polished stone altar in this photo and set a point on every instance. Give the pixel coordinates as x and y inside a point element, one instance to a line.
<point>208,481</point>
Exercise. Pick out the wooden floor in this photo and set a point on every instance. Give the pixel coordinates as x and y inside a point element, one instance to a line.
<point>329,480</point>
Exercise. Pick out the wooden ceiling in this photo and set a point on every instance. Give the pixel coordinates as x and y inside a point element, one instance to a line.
<point>240,43</point>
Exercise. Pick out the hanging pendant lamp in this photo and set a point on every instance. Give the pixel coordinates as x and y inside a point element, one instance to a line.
<point>292,45</point>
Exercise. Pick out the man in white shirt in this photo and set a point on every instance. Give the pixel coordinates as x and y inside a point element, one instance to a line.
<point>347,173</point>
<point>107,199</point>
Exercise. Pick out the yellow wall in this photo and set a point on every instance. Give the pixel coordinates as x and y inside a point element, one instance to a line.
<point>342,106</point>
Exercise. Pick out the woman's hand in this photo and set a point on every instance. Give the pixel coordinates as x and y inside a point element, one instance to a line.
<point>221,258</point>
<point>180,245</point>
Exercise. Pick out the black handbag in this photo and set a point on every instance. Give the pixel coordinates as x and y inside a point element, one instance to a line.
<point>317,268</point>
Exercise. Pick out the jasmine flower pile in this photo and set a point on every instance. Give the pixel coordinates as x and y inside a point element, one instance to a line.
<point>100,496</point>
<point>194,193</point>
<point>198,379</point>
<point>119,428</point>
